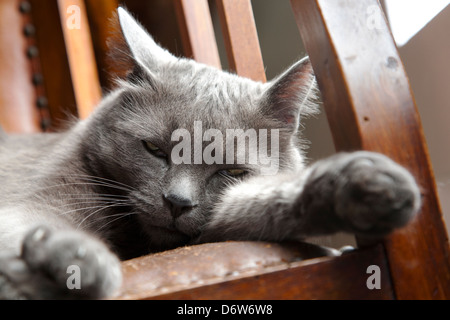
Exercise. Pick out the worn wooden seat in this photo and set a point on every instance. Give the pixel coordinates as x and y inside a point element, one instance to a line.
<point>369,106</point>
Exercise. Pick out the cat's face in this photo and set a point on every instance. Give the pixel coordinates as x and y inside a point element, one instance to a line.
<point>164,133</point>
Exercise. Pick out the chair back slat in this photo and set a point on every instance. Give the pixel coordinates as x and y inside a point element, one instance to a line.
<point>54,64</point>
<point>197,31</point>
<point>370,106</point>
<point>18,111</point>
<point>241,38</point>
<point>81,57</point>
<point>101,15</point>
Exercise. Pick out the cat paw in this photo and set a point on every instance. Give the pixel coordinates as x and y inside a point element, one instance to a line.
<point>372,195</point>
<point>59,265</point>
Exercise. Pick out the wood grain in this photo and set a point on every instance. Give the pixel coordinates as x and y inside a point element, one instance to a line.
<point>80,53</point>
<point>54,61</point>
<point>251,270</point>
<point>197,32</point>
<point>369,105</point>
<point>100,14</point>
<point>241,38</point>
<point>18,111</point>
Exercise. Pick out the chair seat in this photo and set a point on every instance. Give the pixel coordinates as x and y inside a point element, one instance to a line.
<point>254,270</point>
<point>210,263</point>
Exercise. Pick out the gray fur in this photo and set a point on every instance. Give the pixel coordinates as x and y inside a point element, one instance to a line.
<point>87,195</point>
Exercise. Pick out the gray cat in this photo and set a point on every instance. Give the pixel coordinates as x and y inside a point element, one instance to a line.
<point>108,188</point>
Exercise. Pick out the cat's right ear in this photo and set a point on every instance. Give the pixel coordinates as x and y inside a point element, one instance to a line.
<point>148,56</point>
<point>291,95</point>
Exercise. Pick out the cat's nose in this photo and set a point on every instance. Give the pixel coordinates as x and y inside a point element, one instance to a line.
<point>178,204</point>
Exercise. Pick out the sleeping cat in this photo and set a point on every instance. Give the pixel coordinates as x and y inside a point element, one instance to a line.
<point>109,189</point>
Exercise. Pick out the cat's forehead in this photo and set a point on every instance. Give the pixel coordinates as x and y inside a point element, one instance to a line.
<point>188,93</point>
<point>198,81</point>
<point>202,93</point>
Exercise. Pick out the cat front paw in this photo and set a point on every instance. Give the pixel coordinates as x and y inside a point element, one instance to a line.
<point>375,195</point>
<point>59,265</point>
<point>372,195</point>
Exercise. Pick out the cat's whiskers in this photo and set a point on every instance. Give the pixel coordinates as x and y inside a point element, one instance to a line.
<point>61,185</point>
<point>102,179</point>
<point>94,196</point>
<point>229,181</point>
<point>101,207</point>
<point>117,217</point>
<point>94,201</point>
<point>90,196</point>
<point>83,180</point>
<point>96,211</point>
<point>87,199</point>
<point>73,175</point>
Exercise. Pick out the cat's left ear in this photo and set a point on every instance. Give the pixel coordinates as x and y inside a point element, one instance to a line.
<point>291,95</point>
<point>144,50</point>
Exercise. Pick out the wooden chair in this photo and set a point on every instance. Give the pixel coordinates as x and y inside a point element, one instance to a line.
<point>369,106</point>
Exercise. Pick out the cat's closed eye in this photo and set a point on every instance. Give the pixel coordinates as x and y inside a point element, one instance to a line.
<point>235,173</point>
<point>154,150</point>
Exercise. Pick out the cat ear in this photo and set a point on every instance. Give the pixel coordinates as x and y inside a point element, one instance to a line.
<point>144,50</point>
<point>291,94</point>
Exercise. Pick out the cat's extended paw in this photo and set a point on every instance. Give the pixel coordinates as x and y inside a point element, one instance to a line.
<point>372,194</point>
<point>60,265</point>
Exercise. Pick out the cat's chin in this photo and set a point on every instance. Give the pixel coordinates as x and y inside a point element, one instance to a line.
<point>164,238</point>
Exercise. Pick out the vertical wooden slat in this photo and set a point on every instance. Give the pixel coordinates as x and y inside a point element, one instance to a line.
<point>100,13</point>
<point>241,38</point>
<point>80,52</point>
<point>18,111</point>
<point>370,106</point>
<point>53,61</point>
<point>196,27</point>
